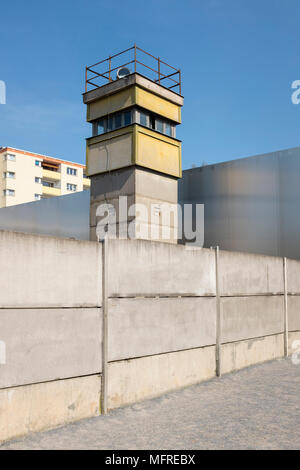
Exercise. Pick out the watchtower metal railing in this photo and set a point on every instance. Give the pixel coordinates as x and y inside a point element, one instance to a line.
<point>156,69</point>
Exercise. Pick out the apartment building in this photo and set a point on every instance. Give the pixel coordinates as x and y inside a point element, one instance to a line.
<point>27,176</point>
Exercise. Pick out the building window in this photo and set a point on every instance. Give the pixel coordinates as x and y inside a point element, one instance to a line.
<point>38,180</point>
<point>47,184</point>
<point>159,125</point>
<point>173,130</point>
<point>139,116</point>
<point>8,192</point>
<point>112,122</point>
<point>10,157</point>
<point>71,171</point>
<point>127,118</point>
<point>38,163</point>
<point>144,119</point>
<point>168,129</point>
<point>9,174</point>
<point>118,120</point>
<point>71,187</point>
<point>101,127</point>
<point>156,123</point>
<point>37,197</point>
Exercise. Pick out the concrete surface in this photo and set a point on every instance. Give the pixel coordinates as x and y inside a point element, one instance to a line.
<point>151,193</point>
<point>294,344</point>
<point>256,408</point>
<point>41,271</point>
<point>143,327</point>
<point>251,317</point>
<point>131,80</point>
<point>161,340</point>
<point>134,380</point>
<point>50,344</point>
<point>235,356</point>
<point>293,276</point>
<point>160,269</point>
<point>114,152</point>
<point>293,312</point>
<point>139,378</point>
<point>42,406</point>
<point>248,274</point>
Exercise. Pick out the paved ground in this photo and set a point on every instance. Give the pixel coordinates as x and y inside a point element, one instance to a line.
<point>256,408</point>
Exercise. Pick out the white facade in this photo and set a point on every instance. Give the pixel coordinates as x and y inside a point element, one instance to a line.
<point>26,177</point>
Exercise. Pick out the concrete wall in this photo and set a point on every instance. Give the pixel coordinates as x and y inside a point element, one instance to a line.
<point>50,344</point>
<point>159,325</point>
<point>150,205</point>
<point>45,405</point>
<point>44,272</point>
<point>163,312</point>
<point>51,326</point>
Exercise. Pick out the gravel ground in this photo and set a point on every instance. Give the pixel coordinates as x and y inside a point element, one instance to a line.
<point>255,408</point>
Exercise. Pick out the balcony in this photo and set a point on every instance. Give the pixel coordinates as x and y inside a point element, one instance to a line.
<point>51,175</point>
<point>86,182</point>
<point>49,192</point>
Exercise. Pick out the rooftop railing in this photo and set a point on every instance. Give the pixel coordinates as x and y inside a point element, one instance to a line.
<point>140,61</point>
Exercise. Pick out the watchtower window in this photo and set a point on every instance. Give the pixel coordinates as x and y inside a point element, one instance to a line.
<point>159,125</point>
<point>168,129</point>
<point>127,118</point>
<point>112,122</point>
<point>134,115</point>
<point>118,120</point>
<point>101,127</point>
<point>156,123</point>
<point>143,119</point>
<point>152,121</point>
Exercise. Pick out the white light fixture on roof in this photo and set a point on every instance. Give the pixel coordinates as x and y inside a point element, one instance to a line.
<point>123,72</point>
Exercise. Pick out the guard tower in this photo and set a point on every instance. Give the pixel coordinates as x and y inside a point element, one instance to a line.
<point>134,105</point>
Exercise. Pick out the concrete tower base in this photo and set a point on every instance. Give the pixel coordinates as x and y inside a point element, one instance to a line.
<point>134,203</point>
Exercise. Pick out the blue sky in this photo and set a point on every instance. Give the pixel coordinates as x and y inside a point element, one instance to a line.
<point>238,60</point>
